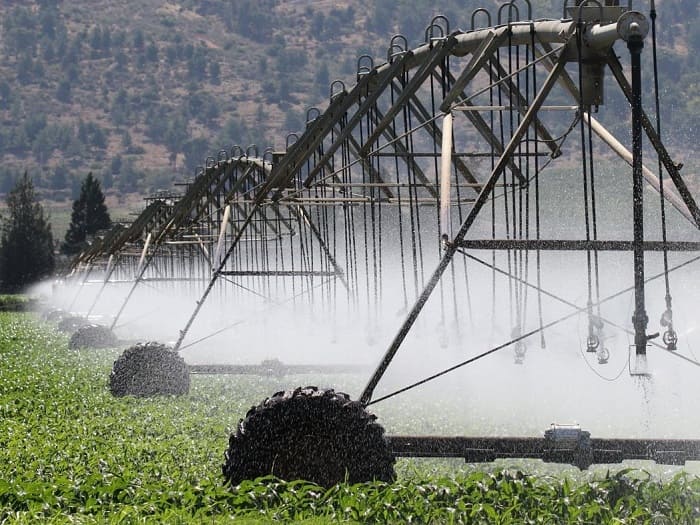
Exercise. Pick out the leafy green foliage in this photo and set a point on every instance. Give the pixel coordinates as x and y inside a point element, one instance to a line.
<point>15,303</point>
<point>71,452</point>
<point>26,243</point>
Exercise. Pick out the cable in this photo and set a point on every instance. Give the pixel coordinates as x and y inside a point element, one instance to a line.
<point>667,318</point>
<point>530,333</point>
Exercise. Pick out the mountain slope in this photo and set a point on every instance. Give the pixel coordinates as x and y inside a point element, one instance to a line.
<point>140,92</point>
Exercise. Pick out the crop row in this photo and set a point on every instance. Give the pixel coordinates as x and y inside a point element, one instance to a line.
<point>70,452</point>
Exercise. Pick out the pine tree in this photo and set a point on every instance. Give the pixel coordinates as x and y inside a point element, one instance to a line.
<point>26,243</point>
<point>89,215</point>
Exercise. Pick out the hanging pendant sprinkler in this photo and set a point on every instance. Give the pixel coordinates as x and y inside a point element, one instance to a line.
<point>670,337</point>
<point>595,327</point>
<point>592,343</point>
<point>603,354</point>
<point>520,347</point>
<point>520,351</point>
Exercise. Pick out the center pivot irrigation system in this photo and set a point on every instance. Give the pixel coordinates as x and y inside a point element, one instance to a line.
<point>483,140</point>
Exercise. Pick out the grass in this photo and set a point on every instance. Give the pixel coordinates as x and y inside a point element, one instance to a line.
<point>71,453</point>
<point>15,303</point>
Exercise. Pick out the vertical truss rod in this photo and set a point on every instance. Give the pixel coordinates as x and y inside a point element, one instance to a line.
<point>452,246</point>
<point>140,271</point>
<point>88,270</point>
<point>206,179</point>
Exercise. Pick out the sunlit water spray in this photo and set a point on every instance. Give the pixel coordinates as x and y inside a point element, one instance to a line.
<point>559,383</point>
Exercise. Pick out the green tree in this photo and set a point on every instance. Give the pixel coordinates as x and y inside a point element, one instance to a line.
<point>59,179</point>
<point>63,91</point>
<point>175,136</point>
<point>5,94</point>
<point>195,151</point>
<point>26,244</point>
<point>152,52</point>
<point>88,217</point>
<point>215,73</point>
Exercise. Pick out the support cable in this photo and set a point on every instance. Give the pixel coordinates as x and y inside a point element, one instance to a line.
<point>538,254</point>
<point>670,337</point>
<point>501,128</point>
<point>516,211</point>
<point>365,237</point>
<point>593,342</point>
<point>492,76</point>
<point>525,336</point>
<point>401,227</point>
<point>410,147</point>
<point>436,171</point>
<point>412,197</point>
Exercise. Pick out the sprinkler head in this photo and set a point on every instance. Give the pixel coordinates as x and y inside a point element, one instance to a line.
<point>592,343</point>
<point>520,350</point>
<point>670,339</point>
<point>603,355</point>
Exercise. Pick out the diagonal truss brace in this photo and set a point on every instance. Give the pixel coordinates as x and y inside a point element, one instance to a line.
<point>452,247</point>
<point>672,168</point>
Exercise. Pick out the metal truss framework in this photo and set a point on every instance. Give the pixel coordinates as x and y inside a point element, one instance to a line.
<point>412,155</point>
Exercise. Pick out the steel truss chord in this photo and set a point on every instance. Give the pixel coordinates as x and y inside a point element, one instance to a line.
<point>576,245</point>
<point>279,273</point>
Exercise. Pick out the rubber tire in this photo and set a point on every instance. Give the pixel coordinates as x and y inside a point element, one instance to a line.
<point>149,369</point>
<point>71,323</point>
<point>313,434</point>
<point>55,315</point>
<point>93,336</point>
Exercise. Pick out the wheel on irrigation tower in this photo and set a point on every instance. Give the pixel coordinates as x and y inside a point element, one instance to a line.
<point>93,336</point>
<point>71,323</point>
<point>149,369</point>
<point>313,434</point>
<point>54,315</point>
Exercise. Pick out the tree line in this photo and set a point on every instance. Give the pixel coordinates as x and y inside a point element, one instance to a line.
<point>27,249</point>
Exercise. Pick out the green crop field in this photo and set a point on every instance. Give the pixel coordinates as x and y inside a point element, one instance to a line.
<point>71,453</point>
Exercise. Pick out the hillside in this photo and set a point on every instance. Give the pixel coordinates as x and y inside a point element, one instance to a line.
<point>140,92</point>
